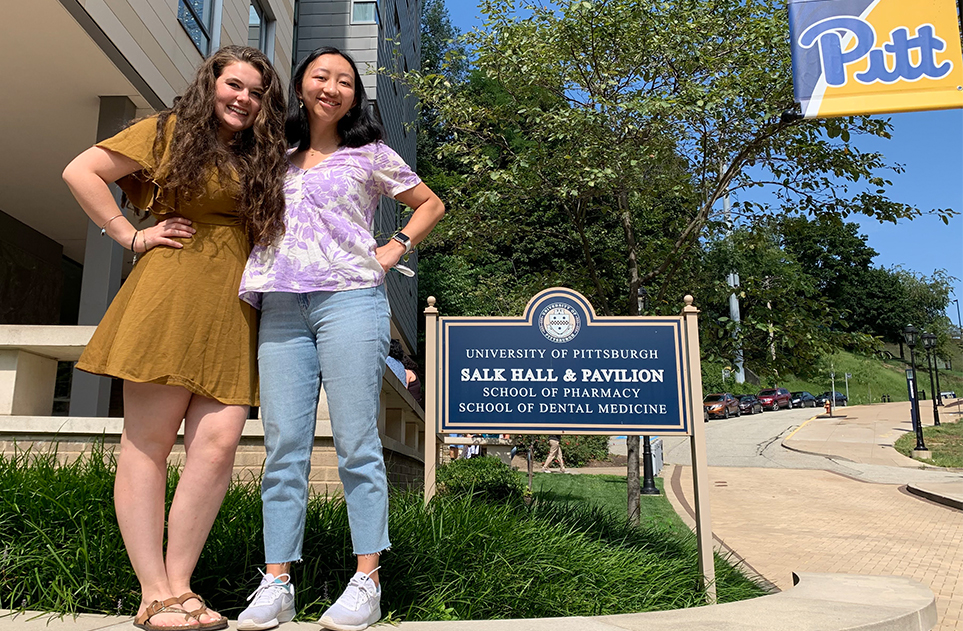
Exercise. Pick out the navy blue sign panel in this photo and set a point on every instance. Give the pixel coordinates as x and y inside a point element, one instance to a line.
<point>561,368</point>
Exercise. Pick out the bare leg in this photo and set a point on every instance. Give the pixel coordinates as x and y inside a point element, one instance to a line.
<point>367,563</point>
<point>212,431</point>
<point>277,569</point>
<point>153,413</point>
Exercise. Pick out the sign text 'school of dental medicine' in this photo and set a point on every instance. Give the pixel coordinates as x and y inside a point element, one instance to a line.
<point>560,367</point>
<point>853,57</point>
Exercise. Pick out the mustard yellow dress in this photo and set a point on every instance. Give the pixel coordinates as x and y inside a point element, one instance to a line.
<point>177,319</point>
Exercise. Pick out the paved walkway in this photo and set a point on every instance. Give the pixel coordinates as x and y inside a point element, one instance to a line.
<point>784,520</point>
<point>865,433</point>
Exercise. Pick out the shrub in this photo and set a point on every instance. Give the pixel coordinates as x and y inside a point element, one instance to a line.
<point>488,478</point>
<point>461,557</point>
<point>577,450</point>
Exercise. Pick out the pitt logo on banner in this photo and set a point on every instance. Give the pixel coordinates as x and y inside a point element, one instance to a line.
<point>873,56</point>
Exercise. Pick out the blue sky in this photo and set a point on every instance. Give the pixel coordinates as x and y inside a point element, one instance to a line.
<point>929,145</point>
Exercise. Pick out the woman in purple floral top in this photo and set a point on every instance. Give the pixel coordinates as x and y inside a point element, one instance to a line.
<point>325,319</point>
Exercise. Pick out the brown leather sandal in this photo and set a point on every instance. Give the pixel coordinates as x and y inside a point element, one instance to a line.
<point>143,620</point>
<point>213,625</point>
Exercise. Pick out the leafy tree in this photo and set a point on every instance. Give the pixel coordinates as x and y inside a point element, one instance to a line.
<point>884,304</point>
<point>611,100</point>
<point>863,298</point>
<point>786,324</point>
<point>443,55</point>
<point>926,300</point>
<point>838,259</point>
<point>640,116</point>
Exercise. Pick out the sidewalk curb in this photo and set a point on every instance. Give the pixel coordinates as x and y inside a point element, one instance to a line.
<point>920,464</point>
<point>951,502</point>
<point>816,601</point>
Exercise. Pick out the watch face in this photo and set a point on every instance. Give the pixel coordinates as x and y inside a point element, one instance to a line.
<point>403,239</point>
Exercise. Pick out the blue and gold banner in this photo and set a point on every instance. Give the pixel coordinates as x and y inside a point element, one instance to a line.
<point>854,57</point>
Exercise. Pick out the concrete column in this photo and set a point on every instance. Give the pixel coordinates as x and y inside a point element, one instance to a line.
<point>103,264</point>
<point>26,383</point>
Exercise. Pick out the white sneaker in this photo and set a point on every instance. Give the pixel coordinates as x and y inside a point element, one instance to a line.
<point>271,604</point>
<point>358,607</point>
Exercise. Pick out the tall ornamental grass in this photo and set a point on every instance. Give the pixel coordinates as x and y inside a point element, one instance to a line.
<point>459,558</point>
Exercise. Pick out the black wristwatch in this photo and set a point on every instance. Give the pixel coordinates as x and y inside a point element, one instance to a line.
<point>404,240</point>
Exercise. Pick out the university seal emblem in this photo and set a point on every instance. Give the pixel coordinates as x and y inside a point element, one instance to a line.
<point>559,322</point>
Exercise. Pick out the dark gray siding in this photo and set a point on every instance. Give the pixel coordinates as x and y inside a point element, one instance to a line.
<point>399,23</point>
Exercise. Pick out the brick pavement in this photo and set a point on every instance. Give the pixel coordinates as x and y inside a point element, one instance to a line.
<point>785,520</point>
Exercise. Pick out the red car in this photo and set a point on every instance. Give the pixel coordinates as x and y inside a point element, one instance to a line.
<point>775,398</point>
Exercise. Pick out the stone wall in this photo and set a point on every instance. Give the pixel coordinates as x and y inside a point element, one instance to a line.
<point>403,472</point>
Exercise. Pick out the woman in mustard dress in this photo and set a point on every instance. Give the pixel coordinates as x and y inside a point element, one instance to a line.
<point>210,171</point>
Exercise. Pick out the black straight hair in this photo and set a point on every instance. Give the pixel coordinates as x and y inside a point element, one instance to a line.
<point>357,128</point>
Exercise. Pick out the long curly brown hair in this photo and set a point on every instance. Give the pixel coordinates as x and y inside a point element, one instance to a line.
<point>257,154</point>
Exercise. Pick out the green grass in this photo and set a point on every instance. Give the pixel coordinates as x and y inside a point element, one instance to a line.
<point>459,558</point>
<point>610,493</point>
<point>945,441</point>
<point>871,379</point>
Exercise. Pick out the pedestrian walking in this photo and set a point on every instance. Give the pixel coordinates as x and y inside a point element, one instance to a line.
<point>554,451</point>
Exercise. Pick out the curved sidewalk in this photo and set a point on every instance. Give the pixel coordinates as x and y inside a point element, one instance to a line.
<point>866,434</point>
<point>819,602</point>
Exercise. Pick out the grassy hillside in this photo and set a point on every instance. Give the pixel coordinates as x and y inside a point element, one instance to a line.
<point>872,378</point>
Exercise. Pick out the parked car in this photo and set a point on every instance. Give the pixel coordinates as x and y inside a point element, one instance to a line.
<point>840,399</point>
<point>803,400</point>
<point>721,405</point>
<point>750,404</point>
<point>775,398</point>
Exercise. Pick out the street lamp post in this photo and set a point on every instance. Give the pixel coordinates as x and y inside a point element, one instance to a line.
<point>648,467</point>
<point>929,343</point>
<point>911,334</point>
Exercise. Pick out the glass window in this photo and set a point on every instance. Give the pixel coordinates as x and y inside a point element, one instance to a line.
<point>261,28</point>
<point>195,17</point>
<point>255,30</point>
<point>364,12</point>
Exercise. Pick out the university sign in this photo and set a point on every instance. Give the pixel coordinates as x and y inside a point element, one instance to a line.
<point>560,368</point>
<point>873,56</point>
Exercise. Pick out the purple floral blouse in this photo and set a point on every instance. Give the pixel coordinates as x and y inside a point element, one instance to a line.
<point>329,214</point>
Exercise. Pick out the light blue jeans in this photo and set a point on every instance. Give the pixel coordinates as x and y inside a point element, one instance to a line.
<point>339,339</point>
